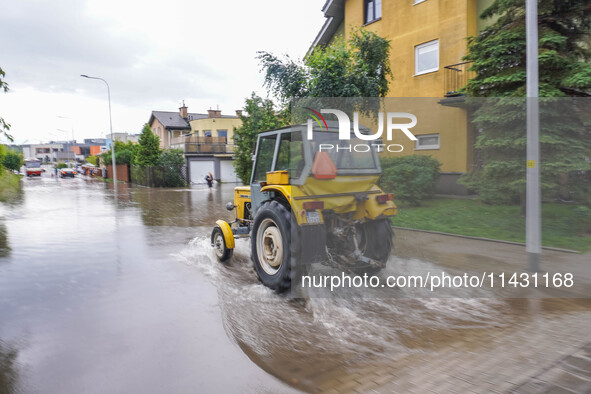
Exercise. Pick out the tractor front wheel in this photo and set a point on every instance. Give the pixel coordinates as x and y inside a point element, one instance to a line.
<point>222,252</point>
<point>271,246</point>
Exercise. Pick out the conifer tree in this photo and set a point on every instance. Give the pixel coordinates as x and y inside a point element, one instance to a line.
<point>498,56</point>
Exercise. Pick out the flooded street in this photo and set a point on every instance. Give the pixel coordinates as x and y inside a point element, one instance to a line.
<point>95,298</point>
<point>105,294</point>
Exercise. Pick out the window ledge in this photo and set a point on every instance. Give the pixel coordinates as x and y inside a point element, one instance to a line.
<point>428,148</point>
<point>375,20</point>
<point>426,72</point>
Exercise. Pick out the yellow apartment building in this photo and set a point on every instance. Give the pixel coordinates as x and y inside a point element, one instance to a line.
<point>428,42</point>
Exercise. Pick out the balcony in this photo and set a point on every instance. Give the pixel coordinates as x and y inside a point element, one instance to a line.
<point>194,145</point>
<point>455,77</point>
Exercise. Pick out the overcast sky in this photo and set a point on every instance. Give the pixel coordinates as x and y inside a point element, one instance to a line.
<point>154,55</point>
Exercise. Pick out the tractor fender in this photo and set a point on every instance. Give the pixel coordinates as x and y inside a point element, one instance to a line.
<point>285,190</point>
<point>227,232</point>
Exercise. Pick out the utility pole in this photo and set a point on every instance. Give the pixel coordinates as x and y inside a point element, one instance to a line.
<point>533,233</point>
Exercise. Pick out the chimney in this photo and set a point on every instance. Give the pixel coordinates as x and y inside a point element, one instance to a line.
<point>183,111</point>
<point>214,113</point>
<point>239,112</point>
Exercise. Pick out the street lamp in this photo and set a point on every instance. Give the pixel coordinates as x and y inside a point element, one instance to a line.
<point>68,145</point>
<point>111,125</point>
<point>73,138</point>
<point>65,117</point>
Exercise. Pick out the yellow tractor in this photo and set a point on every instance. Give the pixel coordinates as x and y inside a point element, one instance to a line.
<point>308,203</point>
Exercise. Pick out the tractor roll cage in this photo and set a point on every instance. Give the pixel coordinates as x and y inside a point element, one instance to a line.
<point>268,146</point>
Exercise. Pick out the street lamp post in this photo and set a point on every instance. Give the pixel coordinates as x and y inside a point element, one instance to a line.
<point>68,145</point>
<point>73,138</point>
<point>65,117</point>
<point>533,232</point>
<point>111,126</point>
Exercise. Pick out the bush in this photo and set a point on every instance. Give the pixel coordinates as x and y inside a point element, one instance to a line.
<point>157,176</point>
<point>61,165</point>
<point>583,220</point>
<point>92,160</point>
<point>13,160</point>
<point>410,178</point>
<point>579,187</point>
<point>172,162</point>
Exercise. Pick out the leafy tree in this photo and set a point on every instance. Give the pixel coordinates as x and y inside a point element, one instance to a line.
<point>148,150</point>
<point>13,160</point>
<point>359,67</point>
<point>124,153</point>
<point>4,127</point>
<point>261,117</point>
<point>499,60</point>
<point>172,157</point>
<point>172,162</point>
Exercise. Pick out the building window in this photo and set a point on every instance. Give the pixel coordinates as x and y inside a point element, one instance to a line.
<point>427,57</point>
<point>372,10</point>
<point>427,141</point>
<point>223,133</point>
<point>207,133</point>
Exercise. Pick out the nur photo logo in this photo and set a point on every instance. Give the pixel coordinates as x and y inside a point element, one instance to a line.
<point>392,122</point>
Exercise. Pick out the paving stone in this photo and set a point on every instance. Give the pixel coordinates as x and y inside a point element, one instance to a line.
<point>532,387</point>
<point>569,381</point>
<point>558,390</point>
<point>583,364</point>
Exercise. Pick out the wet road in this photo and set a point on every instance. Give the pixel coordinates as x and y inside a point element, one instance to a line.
<point>96,295</point>
<point>99,294</point>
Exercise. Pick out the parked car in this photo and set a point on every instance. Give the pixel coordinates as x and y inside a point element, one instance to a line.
<point>67,172</point>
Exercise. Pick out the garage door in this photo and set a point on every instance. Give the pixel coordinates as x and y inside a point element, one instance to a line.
<point>228,174</point>
<point>199,170</point>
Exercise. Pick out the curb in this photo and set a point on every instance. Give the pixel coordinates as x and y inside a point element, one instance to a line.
<point>486,239</point>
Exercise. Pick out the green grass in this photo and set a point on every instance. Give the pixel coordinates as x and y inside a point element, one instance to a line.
<point>10,185</point>
<point>560,225</point>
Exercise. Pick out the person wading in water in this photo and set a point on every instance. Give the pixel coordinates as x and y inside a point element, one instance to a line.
<point>209,179</point>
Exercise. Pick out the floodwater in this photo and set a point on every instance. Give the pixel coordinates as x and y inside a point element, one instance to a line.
<point>105,293</point>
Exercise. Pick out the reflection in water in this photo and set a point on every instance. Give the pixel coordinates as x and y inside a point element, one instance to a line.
<point>8,368</point>
<point>92,284</point>
<point>12,198</point>
<point>180,207</point>
<point>4,247</point>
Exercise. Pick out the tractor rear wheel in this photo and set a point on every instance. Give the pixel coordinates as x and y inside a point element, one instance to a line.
<point>375,242</point>
<point>273,253</point>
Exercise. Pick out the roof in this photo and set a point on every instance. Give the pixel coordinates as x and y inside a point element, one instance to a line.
<point>173,120</point>
<point>334,12</point>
